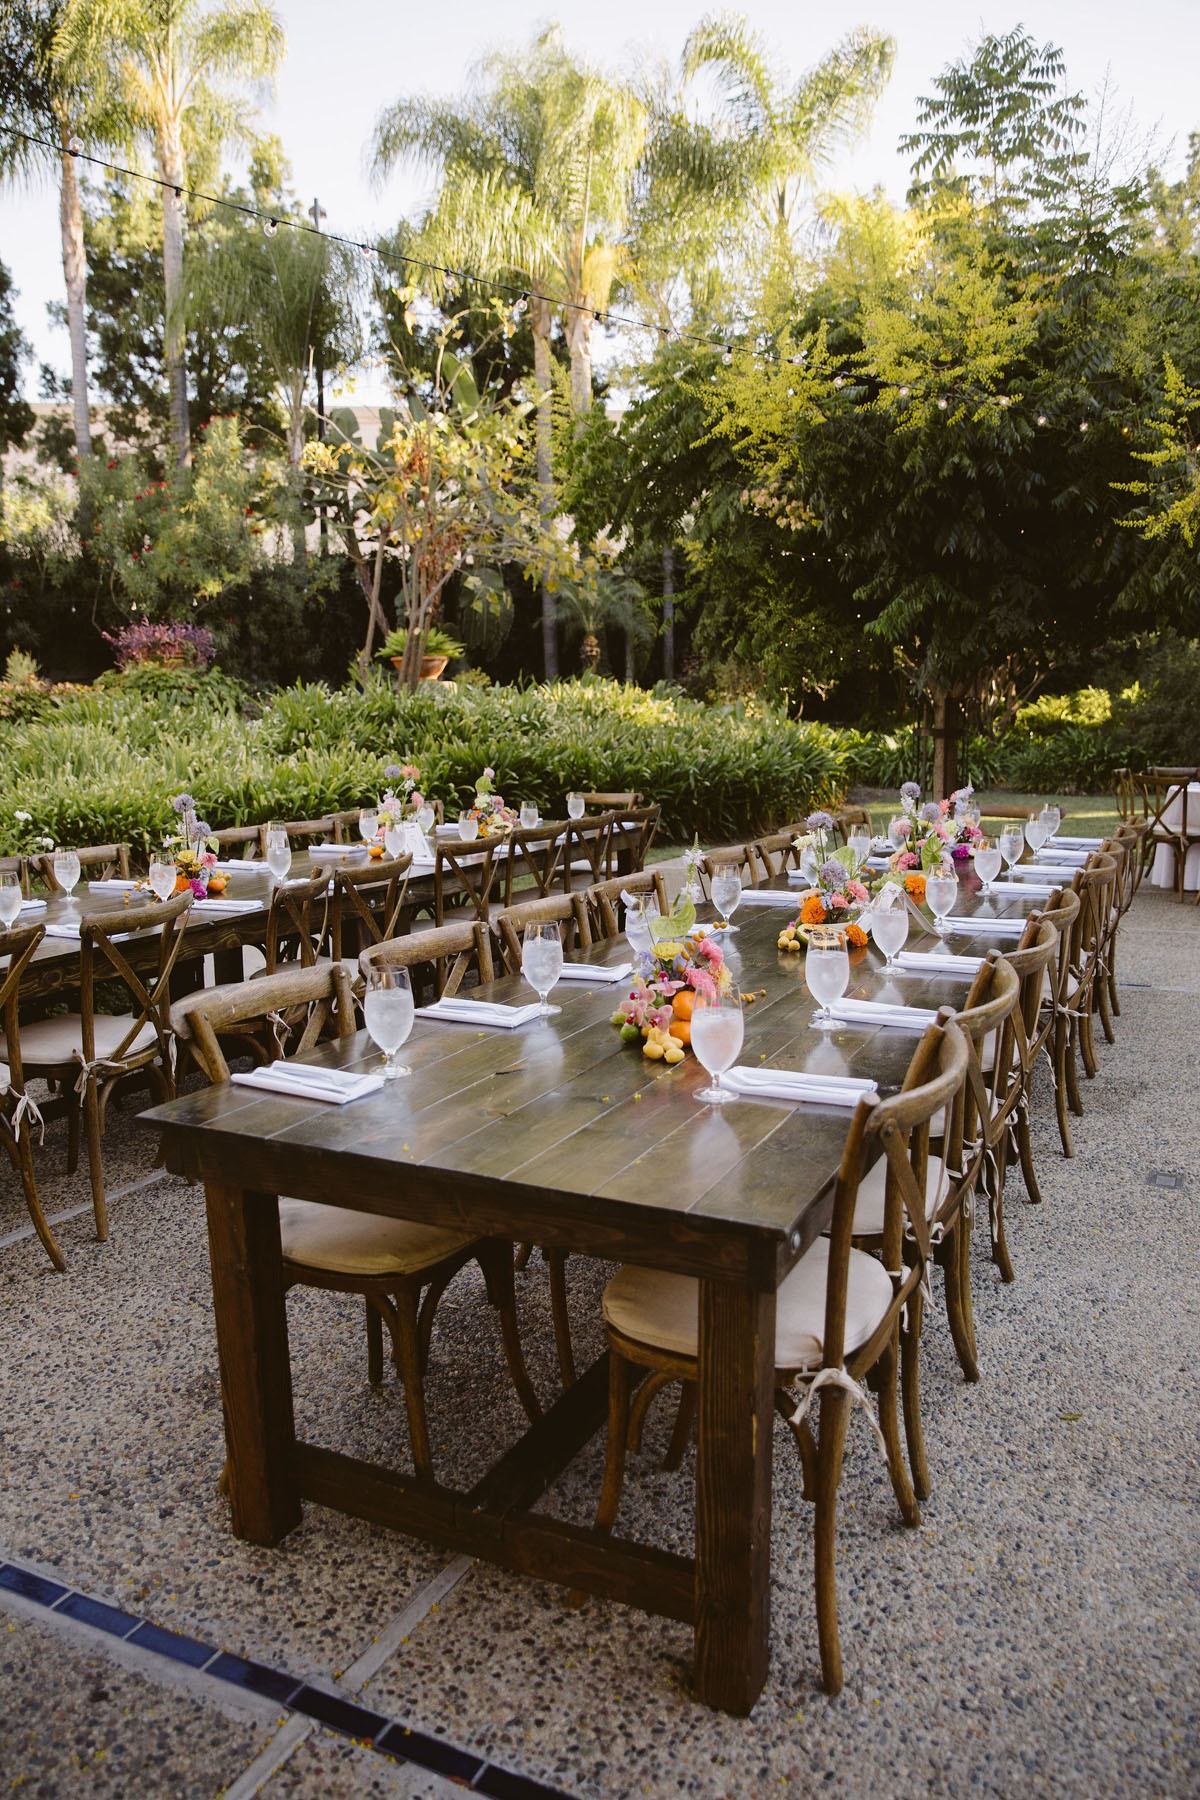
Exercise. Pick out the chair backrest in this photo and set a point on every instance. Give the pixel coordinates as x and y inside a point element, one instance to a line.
<point>589,844</point>
<point>367,903</point>
<point>900,1128</point>
<point>601,900</point>
<point>773,854</point>
<point>633,833</point>
<point>1035,966</point>
<point>18,866</point>
<point>101,958</point>
<point>846,818</point>
<point>16,948</point>
<point>1131,794</point>
<point>990,1093</point>
<point>1096,887</point>
<point>247,838</point>
<point>535,853</point>
<point>568,911</point>
<point>605,802</point>
<point>102,862</point>
<point>322,992</point>
<point>1064,916</point>
<point>311,832</point>
<point>437,960</point>
<point>467,870</point>
<point>299,921</point>
<point>1167,804</point>
<point>741,855</point>
<point>1134,832</point>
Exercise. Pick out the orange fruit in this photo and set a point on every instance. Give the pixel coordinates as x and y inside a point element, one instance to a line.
<point>684,1003</point>
<point>681,1030</point>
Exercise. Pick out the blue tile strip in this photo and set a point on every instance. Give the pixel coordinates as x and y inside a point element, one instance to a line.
<point>336,1711</point>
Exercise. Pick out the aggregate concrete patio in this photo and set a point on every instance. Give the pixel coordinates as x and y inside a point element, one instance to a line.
<point>1038,1634</point>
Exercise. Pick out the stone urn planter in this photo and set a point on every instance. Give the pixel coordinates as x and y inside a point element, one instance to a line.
<point>431,666</point>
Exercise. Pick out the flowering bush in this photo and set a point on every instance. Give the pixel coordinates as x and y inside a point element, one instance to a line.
<point>168,645</point>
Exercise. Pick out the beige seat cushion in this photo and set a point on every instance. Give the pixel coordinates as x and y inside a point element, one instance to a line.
<point>663,1310</point>
<point>51,1042</point>
<point>868,1209</point>
<point>354,1243</point>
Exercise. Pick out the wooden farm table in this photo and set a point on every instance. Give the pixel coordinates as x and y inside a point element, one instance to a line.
<point>556,1134</point>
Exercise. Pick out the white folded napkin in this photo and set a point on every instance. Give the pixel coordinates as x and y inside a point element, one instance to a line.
<point>938,962</point>
<point>332,852</point>
<point>246,866</point>
<point>876,1012</point>
<point>72,932</point>
<point>768,897</point>
<point>217,903</point>
<point>334,1086</point>
<point>117,885</point>
<point>793,1084</point>
<point>1062,856</point>
<point>877,862</point>
<point>980,925</point>
<point>1038,871</point>
<point>478,1012</point>
<point>600,973</point>
<point>1035,890</point>
<point>32,906</point>
<point>1074,843</point>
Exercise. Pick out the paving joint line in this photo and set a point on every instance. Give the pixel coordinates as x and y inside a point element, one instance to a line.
<point>306,1704</point>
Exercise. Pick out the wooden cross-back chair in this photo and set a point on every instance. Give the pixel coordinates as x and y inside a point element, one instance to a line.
<point>90,1051</point>
<point>367,904</point>
<point>438,961</point>
<point>1034,961</point>
<point>1130,791</point>
<point>16,1109</point>
<point>588,852</point>
<point>18,866</point>
<point>601,900</point>
<point>97,862</point>
<point>607,802</point>
<point>464,873</point>
<point>320,993</point>
<point>991,1098</point>
<point>568,911</point>
<point>1078,1000</point>
<point>299,921</point>
<point>1049,1026</point>
<point>247,840</point>
<point>1123,851</point>
<point>1167,792</point>
<point>535,854</point>
<point>1135,832</point>
<point>401,1268</point>
<point>774,854</point>
<point>312,833</point>
<point>633,832</point>
<point>837,1321</point>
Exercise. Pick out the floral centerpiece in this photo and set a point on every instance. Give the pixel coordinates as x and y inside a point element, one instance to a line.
<point>395,807</point>
<point>194,850</point>
<point>837,890</point>
<point>966,831</point>
<point>683,961</point>
<point>488,809</point>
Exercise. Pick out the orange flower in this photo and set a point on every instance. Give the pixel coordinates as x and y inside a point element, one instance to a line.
<point>915,885</point>
<point>812,912</point>
<point>857,936</point>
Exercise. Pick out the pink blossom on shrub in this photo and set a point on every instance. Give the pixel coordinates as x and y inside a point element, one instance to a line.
<point>166,644</point>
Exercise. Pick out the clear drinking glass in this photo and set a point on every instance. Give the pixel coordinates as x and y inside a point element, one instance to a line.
<point>529,817</point>
<point>279,852</point>
<point>393,841</point>
<point>66,873</point>
<point>162,877</point>
<point>10,897</point>
<point>941,891</point>
<point>827,972</point>
<point>1012,842</point>
<point>468,827</point>
<point>726,892</point>
<point>716,1039</point>
<point>889,928</point>
<point>987,863</point>
<point>575,808</point>
<point>860,842</point>
<point>541,963</point>
<point>425,816</point>
<point>1037,830</point>
<point>898,829</point>
<point>388,1014</point>
<point>368,824</point>
<point>1053,817</point>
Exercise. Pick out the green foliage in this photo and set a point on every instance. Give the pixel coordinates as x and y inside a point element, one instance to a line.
<point>15,417</point>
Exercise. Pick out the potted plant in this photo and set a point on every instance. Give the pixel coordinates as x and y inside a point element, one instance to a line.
<point>441,647</point>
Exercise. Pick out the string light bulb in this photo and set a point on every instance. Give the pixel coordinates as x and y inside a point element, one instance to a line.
<point>270,227</point>
<point>727,356</point>
<point>520,306</point>
<point>368,251</point>
<point>74,146</point>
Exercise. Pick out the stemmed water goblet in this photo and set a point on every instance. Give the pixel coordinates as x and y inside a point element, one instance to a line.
<point>860,842</point>
<point>889,928</point>
<point>826,970</point>
<point>1012,842</point>
<point>541,963</point>
<point>388,1013</point>
<point>1037,830</point>
<point>393,838</point>
<point>66,874</point>
<point>162,876</point>
<point>987,863</point>
<point>426,814</point>
<point>10,898</point>
<point>941,891</point>
<point>726,891</point>
<point>279,851</point>
<point>468,827</point>
<point>716,1038</point>
<point>1053,819</point>
<point>368,824</point>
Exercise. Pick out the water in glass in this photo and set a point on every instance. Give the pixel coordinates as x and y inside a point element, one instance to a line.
<point>889,928</point>
<point>66,873</point>
<point>425,817</point>
<point>162,877</point>
<point>388,1014</point>
<point>529,817</point>
<point>279,854</point>
<point>987,865</point>
<point>827,972</point>
<point>1037,830</point>
<point>468,827</point>
<point>368,824</point>
<point>574,806</point>
<point>542,961</point>
<point>1053,818</point>
<point>727,892</point>
<point>1012,842</point>
<point>941,891</point>
<point>860,842</point>
<point>10,898</point>
<point>393,841</point>
<point>716,1038</point>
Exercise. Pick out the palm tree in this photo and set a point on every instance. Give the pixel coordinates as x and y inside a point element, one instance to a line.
<point>537,171</point>
<point>165,55</point>
<point>39,94</point>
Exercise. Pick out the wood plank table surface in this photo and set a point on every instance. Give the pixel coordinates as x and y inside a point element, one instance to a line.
<point>534,1135</point>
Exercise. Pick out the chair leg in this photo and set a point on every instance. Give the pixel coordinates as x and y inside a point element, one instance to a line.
<point>1114,999</point>
<point>619,1374</point>
<point>557,1260</point>
<point>374,1346</point>
<point>399,1314</point>
<point>952,1269</point>
<point>889,1424</point>
<point>910,1386</point>
<point>1104,1003</point>
<point>1087,1041</point>
<point>21,1156</point>
<point>1025,1152</point>
<point>1000,1254</point>
<point>1059,1074</point>
<point>835,1406</point>
<point>496,1260</point>
<point>966,1304</point>
<point>683,1426</point>
<point>1074,1097</point>
<point>91,1127</point>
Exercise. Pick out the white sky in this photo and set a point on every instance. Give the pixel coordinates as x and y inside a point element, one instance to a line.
<point>344,63</point>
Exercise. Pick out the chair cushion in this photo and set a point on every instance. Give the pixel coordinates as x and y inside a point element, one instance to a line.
<point>354,1243</point>
<point>4,1078</point>
<point>180,1024</point>
<point>51,1042</point>
<point>868,1208</point>
<point>663,1310</point>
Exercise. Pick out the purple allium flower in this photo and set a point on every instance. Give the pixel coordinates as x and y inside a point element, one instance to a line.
<point>202,829</point>
<point>183,803</point>
<point>393,772</point>
<point>818,821</point>
<point>911,792</point>
<point>831,874</point>
<point>930,813</point>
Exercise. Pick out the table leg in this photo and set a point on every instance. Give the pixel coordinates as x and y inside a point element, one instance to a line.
<point>733,1494</point>
<point>256,1376</point>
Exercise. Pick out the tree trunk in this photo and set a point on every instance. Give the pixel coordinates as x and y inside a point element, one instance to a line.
<point>540,321</point>
<point>171,167</point>
<point>74,258</point>
<point>668,561</point>
<point>579,343</point>
<point>295,443</point>
<point>947,733</point>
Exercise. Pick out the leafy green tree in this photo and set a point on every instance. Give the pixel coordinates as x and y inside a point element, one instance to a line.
<point>15,416</point>
<point>171,60</point>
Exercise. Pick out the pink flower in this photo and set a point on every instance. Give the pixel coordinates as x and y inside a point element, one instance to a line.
<point>208,859</point>
<point>199,888</point>
<point>661,1016</point>
<point>858,892</point>
<point>710,951</point>
<point>702,981</point>
<point>908,859</point>
<point>416,798</point>
<point>490,774</point>
<point>838,900</point>
<point>410,771</point>
<point>945,805</point>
